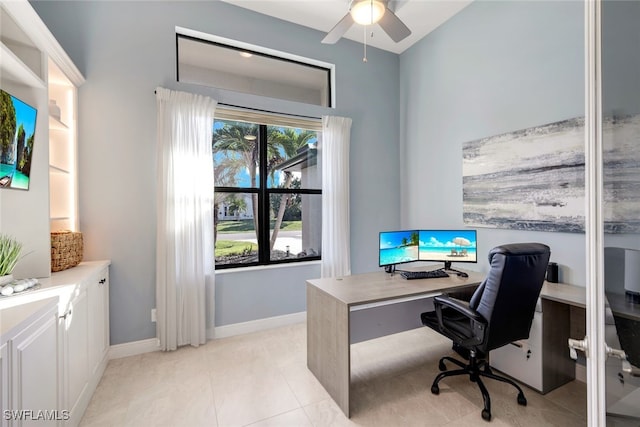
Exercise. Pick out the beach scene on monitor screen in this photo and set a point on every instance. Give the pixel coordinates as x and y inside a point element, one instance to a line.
<point>444,245</point>
<point>398,247</point>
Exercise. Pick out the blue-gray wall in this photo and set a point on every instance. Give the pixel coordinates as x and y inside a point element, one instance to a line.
<point>125,50</point>
<point>495,67</point>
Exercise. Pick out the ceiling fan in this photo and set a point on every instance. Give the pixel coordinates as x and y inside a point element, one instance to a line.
<point>368,12</point>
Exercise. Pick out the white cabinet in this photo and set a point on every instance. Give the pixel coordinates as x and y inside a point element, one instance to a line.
<point>85,332</point>
<point>4,380</point>
<point>30,370</point>
<point>56,364</point>
<point>98,321</point>
<point>76,350</point>
<point>34,367</point>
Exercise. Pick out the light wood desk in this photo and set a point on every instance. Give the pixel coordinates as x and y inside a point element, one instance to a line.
<point>339,313</point>
<point>343,311</point>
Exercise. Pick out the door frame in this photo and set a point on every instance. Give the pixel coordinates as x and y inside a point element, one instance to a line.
<point>594,220</point>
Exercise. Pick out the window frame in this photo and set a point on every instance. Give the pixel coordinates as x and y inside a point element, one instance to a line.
<point>265,52</point>
<point>264,196</point>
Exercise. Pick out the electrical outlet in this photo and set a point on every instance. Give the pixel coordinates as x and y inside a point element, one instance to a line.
<point>153,314</point>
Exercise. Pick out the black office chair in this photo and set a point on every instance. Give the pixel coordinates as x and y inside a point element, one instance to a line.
<point>500,311</point>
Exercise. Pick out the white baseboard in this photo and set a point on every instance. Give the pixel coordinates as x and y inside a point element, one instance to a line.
<point>133,348</point>
<point>256,325</point>
<point>152,344</point>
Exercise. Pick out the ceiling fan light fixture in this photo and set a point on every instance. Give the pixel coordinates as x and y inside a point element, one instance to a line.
<point>367,12</point>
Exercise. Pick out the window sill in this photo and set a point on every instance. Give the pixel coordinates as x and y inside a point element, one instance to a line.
<point>268,267</point>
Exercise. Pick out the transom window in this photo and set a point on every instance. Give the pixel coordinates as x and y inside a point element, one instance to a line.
<point>268,191</point>
<point>210,60</point>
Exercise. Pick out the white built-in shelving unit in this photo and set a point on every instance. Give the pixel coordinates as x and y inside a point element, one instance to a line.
<point>21,60</point>
<point>35,69</point>
<point>52,352</point>
<point>62,152</point>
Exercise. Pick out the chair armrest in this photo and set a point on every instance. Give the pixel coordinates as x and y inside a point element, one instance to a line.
<point>460,306</point>
<point>477,322</point>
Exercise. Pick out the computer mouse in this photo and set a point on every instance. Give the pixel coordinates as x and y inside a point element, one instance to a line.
<point>462,274</point>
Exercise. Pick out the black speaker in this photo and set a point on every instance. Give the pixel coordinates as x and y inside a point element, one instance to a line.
<point>552,272</point>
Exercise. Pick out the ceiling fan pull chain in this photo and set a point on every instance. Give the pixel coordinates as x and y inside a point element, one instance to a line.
<point>364,59</point>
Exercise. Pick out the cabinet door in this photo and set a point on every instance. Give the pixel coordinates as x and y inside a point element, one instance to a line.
<point>76,349</point>
<point>34,382</point>
<point>98,320</point>
<point>4,383</point>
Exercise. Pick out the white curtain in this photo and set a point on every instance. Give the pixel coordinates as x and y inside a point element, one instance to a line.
<point>336,135</point>
<point>184,237</point>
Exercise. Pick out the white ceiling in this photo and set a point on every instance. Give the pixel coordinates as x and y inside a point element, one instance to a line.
<point>421,16</point>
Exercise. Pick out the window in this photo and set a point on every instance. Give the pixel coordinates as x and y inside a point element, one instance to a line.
<point>214,61</point>
<point>268,191</point>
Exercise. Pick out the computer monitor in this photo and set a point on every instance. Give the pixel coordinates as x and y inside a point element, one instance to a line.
<point>448,246</point>
<point>398,247</point>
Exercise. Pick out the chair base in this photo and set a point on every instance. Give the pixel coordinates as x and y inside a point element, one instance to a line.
<point>475,371</point>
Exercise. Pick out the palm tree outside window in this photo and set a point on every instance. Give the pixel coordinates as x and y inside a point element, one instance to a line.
<point>268,194</point>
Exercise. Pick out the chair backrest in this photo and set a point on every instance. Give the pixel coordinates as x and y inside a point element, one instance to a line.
<point>507,298</point>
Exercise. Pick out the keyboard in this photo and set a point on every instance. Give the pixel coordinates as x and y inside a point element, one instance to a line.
<point>431,274</point>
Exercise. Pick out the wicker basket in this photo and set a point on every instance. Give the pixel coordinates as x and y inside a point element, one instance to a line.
<point>66,249</point>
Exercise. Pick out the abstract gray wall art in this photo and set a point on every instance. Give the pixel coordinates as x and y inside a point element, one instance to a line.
<point>621,174</point>
<point>533,179</point>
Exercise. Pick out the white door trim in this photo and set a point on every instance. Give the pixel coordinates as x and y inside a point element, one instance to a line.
<point>594,221</point>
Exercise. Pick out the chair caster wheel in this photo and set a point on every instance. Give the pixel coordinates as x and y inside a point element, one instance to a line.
<point>442,366</point>
<point>486,415</point>
<point>435,389</point>
<point>522,400</point>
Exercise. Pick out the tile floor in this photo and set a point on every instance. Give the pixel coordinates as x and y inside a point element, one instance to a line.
<point>261,380</point>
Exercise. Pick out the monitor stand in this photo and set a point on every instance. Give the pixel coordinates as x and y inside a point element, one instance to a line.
<point>390,268</point>
<point>447,267</point>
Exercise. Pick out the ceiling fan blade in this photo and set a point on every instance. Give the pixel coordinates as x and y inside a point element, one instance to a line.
<point>338,30</point>
<point>393,26</point>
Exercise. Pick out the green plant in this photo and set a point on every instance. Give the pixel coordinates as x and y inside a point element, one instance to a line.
<point>9,254</point>
<point>230,248</point>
